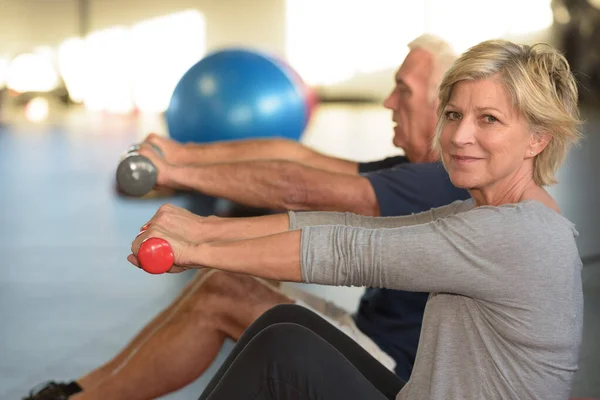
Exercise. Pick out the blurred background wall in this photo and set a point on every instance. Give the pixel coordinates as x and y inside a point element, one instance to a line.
<point>346,49</point>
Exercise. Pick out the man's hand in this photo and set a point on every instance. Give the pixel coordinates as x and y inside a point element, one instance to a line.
<point>164,169</point>
<point>174,153</point>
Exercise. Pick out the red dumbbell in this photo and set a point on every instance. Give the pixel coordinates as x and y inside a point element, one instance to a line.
<point>155,256</point>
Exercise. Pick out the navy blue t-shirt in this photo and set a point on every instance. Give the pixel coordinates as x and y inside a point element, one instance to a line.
<point>393,318</point>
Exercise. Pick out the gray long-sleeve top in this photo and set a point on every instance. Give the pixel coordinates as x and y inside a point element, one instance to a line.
<point>504,318</point>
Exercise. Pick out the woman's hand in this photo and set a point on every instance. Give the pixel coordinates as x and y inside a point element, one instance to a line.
<point>183,231</point>
<point>180,222</point>
<point>224,243</point>
<point>181,247</point>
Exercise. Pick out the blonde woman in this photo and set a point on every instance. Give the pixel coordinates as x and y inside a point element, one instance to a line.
<point>504,319</point>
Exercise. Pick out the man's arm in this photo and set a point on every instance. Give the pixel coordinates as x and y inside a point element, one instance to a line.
<point>277,184</point>
<point>250,149</point>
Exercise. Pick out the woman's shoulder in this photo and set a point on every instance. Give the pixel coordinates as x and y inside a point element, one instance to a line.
<point>540,195</point>
<point>523,230</point>
<point>546,212</point>
<point>531,215</point>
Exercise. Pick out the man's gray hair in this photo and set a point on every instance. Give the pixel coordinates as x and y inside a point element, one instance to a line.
<point>443,58</point>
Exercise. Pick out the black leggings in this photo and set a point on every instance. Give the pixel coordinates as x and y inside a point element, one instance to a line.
<point>291,353</point>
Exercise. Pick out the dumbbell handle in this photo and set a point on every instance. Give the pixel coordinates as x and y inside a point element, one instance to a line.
<point>155,256</point>
<point>136,147</point>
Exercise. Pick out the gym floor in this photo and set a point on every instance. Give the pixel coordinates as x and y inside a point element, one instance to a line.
<point>69,300</point>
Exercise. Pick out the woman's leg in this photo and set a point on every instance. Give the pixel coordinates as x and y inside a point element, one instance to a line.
<point>287,361</point>
<point>327,339</point>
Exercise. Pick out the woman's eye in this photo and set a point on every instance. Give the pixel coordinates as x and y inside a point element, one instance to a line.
<point>490,119</point>
<point>452,115</point>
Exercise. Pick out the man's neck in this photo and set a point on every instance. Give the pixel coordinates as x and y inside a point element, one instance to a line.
<point>422,158</point>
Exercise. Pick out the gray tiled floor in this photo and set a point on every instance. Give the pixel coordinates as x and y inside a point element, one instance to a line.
<point>68,298</point>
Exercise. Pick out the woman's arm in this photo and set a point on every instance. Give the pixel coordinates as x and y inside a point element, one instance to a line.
<point>197,229</point>
<point>327,253</point>
<point>299,220</point>
<point>220,242</point>
<point>414,257</point>
<point>492,253</point>
<point>274,257</point>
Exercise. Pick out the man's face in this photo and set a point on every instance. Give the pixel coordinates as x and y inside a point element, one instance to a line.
<point>413,112</point>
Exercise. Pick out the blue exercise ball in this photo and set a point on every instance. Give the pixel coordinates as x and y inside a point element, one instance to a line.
<point>237,94</point>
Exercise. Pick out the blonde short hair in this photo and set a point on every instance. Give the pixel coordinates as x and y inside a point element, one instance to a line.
<point>443,57</point>
<point>542,88</point>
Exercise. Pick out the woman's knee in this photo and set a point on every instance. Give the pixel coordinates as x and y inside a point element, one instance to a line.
<point>292,313</point>
<point>284,340</point>
<point>282,314</point>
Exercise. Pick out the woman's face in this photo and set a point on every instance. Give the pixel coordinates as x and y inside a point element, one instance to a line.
<point>485,141</point>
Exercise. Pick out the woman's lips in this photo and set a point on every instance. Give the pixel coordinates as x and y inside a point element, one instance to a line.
<point>465,159</point>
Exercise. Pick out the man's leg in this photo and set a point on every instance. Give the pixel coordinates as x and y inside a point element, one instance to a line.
<point>179,349</point>
<point>99,374</point>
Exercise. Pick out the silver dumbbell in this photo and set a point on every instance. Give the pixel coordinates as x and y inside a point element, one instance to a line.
<point>136,174</point>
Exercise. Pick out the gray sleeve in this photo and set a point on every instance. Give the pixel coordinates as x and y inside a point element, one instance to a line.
<point>473,253</point>
<point>302,219</point>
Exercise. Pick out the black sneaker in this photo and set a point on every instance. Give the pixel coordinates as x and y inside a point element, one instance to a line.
<point>52,391</point>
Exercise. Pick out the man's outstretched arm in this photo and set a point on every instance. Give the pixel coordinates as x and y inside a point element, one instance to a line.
<point>249,149</point>
<point>277,184</point>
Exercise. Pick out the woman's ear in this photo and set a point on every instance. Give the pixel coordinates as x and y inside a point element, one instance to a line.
<point>539,141</point>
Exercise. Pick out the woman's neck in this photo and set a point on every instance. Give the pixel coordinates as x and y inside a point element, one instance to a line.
<point>526,190</point>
